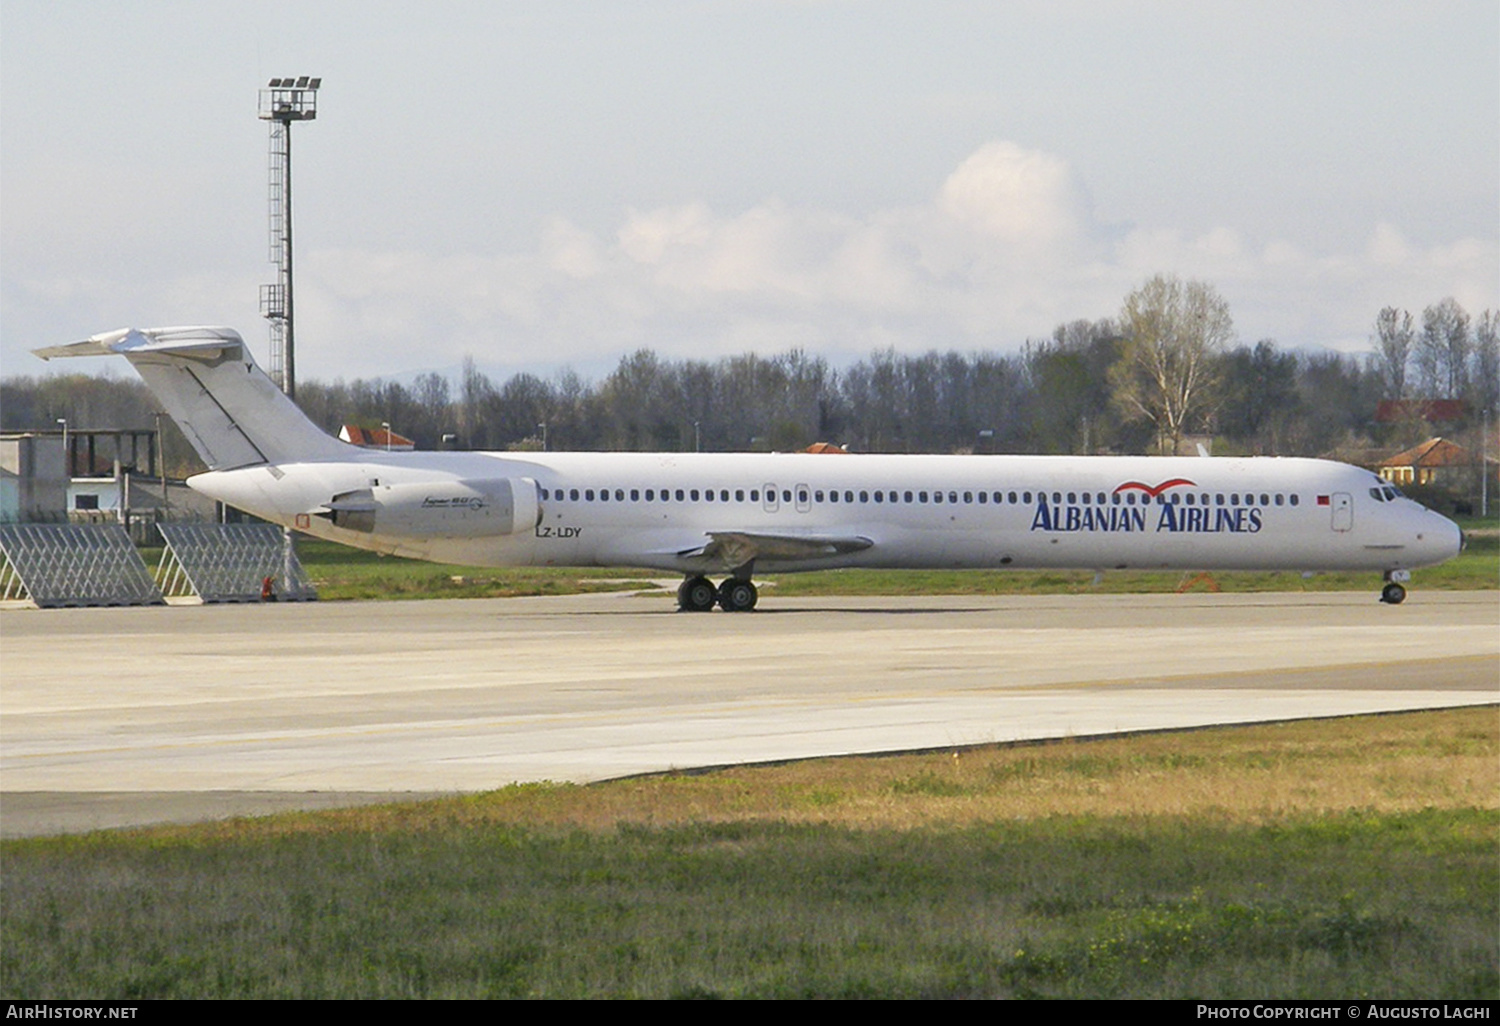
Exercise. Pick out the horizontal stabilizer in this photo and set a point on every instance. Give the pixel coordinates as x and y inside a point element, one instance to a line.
<point>135,340</point>
<point>209,384</point>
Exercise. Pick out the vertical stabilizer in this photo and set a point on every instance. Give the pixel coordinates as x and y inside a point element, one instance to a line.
<point>207,381</point>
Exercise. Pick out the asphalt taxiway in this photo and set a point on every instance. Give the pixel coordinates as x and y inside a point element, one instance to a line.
<point>111,717</point>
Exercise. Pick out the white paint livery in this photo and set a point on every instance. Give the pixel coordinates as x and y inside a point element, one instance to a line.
<point>738,513</point>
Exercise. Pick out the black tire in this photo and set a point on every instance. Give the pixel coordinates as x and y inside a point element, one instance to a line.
<point>696,595</point>
<point>1393,594</point>
<point>737,596</point>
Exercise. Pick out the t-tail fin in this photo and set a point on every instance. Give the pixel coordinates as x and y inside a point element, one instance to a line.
<point>210,385</point>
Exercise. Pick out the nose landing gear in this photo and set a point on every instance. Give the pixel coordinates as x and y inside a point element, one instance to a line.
<point>1394,592</point>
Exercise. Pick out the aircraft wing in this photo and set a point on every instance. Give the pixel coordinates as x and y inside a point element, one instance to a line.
<point>734,549</point>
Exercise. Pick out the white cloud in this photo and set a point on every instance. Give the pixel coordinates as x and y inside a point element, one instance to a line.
<point>1004,249</point>
<point>1024,199</point>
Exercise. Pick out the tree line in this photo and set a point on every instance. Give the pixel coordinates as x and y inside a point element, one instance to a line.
<point>1166,369</point>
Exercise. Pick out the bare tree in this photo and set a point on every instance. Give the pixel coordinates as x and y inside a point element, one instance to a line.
<point>1174,333</point>
<point>1393,337</point>
<point>1442,352</point>
<point>475,391</point>
<point>1485,380</point>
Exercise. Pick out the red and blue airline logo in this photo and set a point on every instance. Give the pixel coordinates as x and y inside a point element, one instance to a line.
<point>1153,490</point>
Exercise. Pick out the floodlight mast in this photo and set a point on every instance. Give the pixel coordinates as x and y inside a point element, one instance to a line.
<point>283,101</point>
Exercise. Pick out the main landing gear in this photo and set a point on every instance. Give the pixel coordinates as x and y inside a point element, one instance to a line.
<point>1394,592</point>
<point>698,595</point>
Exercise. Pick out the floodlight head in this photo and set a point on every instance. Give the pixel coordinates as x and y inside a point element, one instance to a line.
<point>287,99</point>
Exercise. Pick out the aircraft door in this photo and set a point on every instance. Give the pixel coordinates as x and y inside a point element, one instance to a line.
<point>769,498</point>
<point>804,498</point>
<point>1343,511</point>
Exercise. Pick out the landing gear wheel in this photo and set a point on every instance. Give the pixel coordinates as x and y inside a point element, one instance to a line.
<point>737,596</point>
<point>1393,594</point>
<point>696,595</point>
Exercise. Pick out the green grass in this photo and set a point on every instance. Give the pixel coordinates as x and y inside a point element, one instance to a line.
<point>1348,858</point>
<point>340,572</point>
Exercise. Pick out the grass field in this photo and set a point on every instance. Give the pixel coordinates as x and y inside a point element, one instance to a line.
<point>339,572</point>
<point>1345,858</point>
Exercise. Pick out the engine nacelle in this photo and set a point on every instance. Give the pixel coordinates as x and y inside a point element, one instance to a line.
<point>439,509</point>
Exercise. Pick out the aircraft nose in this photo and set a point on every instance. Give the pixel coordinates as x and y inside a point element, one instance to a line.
<point>1449,541</point>
<point>1438,539</point>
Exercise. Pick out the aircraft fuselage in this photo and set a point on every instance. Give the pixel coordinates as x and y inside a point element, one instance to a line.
<point>657,509</point>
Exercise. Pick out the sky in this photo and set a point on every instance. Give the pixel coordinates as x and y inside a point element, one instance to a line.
<point>546,184</point>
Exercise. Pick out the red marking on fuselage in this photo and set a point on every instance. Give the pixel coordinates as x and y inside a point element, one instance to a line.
<point>1154,492</point>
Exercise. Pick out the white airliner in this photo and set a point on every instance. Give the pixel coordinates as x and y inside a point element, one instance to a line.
<point>733,514</point>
